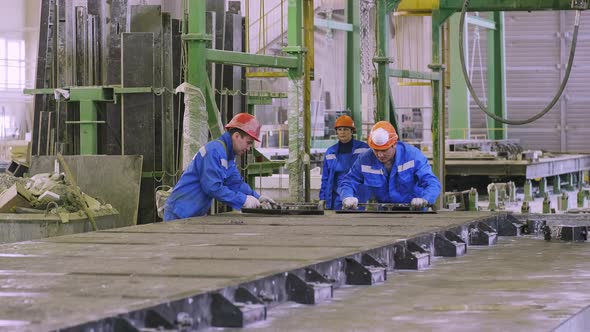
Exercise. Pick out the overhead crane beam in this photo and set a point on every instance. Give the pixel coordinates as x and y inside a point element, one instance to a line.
<point>422,6</point>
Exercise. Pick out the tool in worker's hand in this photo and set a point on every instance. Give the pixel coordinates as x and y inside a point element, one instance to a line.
<point>288,208</point>
<point>387,208</point>
<point>267,203</point>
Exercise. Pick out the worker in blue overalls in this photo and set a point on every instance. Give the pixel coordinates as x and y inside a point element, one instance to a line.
<point>395,172</point>
<point>213,174</point>
<point>337,162</point>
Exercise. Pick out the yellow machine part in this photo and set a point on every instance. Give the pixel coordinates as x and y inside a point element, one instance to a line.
<point>413,83</point>
<point>418,6</point>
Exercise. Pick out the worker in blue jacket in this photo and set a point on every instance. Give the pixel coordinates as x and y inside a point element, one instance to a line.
<point>395,172</point>
<point>213,174</point>
<point>337,162</point>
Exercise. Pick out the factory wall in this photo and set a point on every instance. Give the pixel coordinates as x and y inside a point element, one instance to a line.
<point>19,22</point>
<point>537,49</point>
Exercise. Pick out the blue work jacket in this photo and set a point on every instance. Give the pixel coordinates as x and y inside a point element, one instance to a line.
<point>410,177</point>
<point>336,165</point>
<point>211,174</point>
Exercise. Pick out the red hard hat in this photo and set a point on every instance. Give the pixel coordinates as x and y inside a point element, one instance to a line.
<point>344,121</point>
<point>382,136</point>
<point>247,123</point>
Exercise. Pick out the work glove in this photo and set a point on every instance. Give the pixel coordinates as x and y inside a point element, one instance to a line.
<point>418,203</point>
<point>350,203</point>
<point>267,202</point>
<point>251,202</point>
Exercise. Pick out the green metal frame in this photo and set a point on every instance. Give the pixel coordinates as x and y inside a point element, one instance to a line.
<point>382,61</point>
<point>459,111</point>
<point>199,55</point>
<point>496,77</point>
<point>506,5</point>
<point>89,98</point>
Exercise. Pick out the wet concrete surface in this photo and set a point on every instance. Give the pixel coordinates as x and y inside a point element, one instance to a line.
<point>520,284</point>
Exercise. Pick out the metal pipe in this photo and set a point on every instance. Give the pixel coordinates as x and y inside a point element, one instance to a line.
<point>308,72</point>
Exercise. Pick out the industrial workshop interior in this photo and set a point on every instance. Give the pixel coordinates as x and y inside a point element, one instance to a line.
<point>294,165</point>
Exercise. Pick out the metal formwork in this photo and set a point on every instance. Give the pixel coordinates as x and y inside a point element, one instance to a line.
<point>228,270</point>
<point>135,276</point>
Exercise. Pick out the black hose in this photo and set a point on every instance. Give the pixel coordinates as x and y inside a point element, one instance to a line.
<point>555,98</point>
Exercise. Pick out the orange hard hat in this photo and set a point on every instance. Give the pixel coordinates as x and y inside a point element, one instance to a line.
<point>344,121</point>
<point>382,136</point>
<point>247,123</point>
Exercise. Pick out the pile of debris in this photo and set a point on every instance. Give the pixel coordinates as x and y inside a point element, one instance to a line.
<point>44,193</point>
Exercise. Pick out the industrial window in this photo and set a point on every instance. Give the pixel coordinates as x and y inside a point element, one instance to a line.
<point>12,64</point>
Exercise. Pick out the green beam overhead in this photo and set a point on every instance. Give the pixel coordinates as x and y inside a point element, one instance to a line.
<point>441,16</point>
<point>496,78</point>
<point>352,87</point>
<point>251,60</point>
<point>90,94</point>
<point>507,5</point>
<point>403,73</point>
<point>331,24</point>
<point>119,90</point>
<point>459,112</point>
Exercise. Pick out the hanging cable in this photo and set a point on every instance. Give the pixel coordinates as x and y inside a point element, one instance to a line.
<point>555,98</point>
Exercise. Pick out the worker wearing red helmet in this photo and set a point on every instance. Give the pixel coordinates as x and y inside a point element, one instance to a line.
<point>212,174</point>
<point>338,160</point>
<point>394,171</point>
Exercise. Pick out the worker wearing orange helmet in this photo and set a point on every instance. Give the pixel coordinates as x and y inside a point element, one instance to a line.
<point>394,171</point>
<point>213,174</point>
<point>338,160</point>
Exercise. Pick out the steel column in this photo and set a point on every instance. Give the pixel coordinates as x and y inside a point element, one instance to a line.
<point>352,87</point>
<point>382,62</point>
<point>296,108</point>
<point>459,112</point>
<point>196,68</point>
<point>496,77</point>
<point>438,107</point>
<point>308,32</point>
